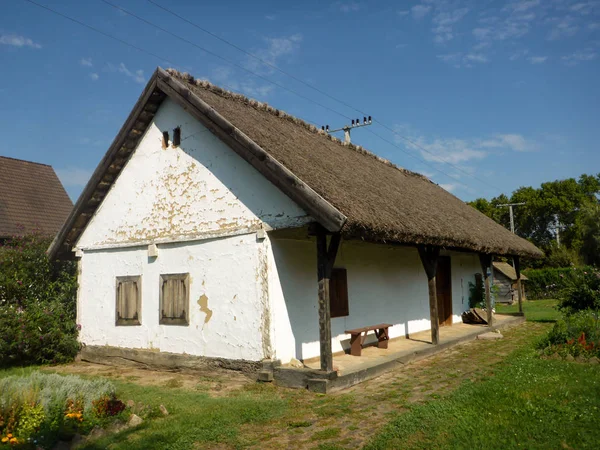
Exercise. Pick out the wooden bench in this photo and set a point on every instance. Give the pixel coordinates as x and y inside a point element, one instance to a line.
<point>357,338</point>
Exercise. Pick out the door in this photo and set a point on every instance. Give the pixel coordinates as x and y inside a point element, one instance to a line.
<point>443,285</point>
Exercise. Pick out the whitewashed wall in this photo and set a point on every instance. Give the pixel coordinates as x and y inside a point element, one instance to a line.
<point>202,204</point>
<point>201,189</point>
<point>228,271</point>
<point>385,285</point>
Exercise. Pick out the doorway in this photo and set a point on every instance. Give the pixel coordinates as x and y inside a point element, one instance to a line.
<point>443,285</point>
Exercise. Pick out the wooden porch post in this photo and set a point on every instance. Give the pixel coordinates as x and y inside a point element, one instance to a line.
<point>486,262</point>
<point>325,260</point>
<point>429,257</point>
<point>517,263</point>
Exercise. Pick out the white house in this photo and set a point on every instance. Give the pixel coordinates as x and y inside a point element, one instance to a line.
<point>217,226</point>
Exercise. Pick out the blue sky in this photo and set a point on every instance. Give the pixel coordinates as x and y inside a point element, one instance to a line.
<point>507,92</point>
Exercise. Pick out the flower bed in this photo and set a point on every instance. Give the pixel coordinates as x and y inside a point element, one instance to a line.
<point>577,335</point>
<point>39,409</point>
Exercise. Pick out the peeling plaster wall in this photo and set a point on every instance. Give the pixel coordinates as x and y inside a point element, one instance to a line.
<point>200,189</point>
<point>227,303</point>
<point>385,285</point>
<point>201,204</point>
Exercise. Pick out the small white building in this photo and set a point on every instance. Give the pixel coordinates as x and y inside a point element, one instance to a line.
<point>217,226</point>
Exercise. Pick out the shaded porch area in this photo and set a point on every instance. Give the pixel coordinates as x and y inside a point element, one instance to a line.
<point>350,370</point>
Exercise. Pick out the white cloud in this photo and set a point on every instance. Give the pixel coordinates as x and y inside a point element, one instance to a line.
<point>74,176</point>
<point>94,76</point>
<point>476,57</point>
<point>403,13</point>
<point>86,62</point>
<point>537,59</point>
<point>444,22</point>
<point>225,76</point>
<point>137,76</point>
<point>276,49</point>
<point>15,40</point>
<point>587,54</point>
<point>420,11</point>
<point>450,187</point>
<point>563,27</point>
<point>584,8</point>
<point>270,17</point>
<point>594,26</point>
<point>520,6</point>
<point>515,142</point>
<point>459,59</point>
<point>458,152</point>
<point>348,7</point>
<point>518,54</point>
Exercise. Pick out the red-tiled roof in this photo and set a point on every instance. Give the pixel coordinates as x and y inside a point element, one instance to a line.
<point>31,198</point>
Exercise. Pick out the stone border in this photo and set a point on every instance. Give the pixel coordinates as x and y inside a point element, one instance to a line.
<point>157,360</point>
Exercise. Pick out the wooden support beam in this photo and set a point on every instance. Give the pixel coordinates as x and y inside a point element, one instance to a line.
<point>517,263</point>
<point>325,261</point>
<point>486,263</point>
<point>429,257</point>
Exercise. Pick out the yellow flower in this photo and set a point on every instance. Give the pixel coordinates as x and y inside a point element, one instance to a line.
<point>4,439</point>
<point>14,440</point>
<point>9,435</point>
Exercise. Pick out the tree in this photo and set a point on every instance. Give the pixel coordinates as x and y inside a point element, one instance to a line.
<point>589,233</point>
<point>553,208</point>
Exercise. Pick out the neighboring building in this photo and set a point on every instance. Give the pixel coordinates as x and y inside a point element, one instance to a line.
<point>204,230</point>
<point>505,278</point>
<point>32,199</point>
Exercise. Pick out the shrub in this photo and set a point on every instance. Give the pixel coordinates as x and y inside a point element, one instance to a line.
<point>40,408</point>
<point>577,334</point>
<point>582,291</point>
<point>549,282</point>
<point>37,304</point>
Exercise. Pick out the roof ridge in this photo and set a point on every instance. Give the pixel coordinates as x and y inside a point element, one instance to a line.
<point>25,160</point>
<point>263,106</point>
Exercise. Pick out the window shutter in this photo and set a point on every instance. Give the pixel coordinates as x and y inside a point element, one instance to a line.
<point>128,301</point>
<point>338,293</point>
<point>174,299</point>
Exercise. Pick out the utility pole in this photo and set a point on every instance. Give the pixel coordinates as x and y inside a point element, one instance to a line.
<point>346,128</point>
<point>512,217</point>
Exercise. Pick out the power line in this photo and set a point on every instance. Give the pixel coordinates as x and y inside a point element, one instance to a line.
<point>320,91</point>
<point>218,56</point>
<point>147,22</point>
<point>78,22</point>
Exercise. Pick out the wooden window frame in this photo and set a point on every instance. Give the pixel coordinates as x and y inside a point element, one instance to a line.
<point>344,308</point>
<point>181,321</point>
<point>129,322</point>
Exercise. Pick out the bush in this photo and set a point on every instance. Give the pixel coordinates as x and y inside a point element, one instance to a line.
<point>37,304</point>
<point>38,409</point>
<point>548,283</point>
<point>576,334</point>
<point>582,292</point>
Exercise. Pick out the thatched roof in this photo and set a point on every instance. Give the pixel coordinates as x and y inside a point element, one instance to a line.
<point>32,199</point>
<point>368,197</point>
<point>508,271</point>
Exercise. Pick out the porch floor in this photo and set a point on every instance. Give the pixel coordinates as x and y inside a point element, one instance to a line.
<point>350,370</point>
<point>401,346</point>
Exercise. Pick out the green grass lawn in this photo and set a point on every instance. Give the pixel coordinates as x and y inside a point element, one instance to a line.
<point>535,310</point>
<point>484,394</point>
<point>528,403</point>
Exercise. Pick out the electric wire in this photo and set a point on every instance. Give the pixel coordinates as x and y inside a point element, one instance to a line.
<point>422,161</point>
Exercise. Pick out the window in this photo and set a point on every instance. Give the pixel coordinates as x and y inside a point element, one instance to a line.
<point>174,299</point>
<point>338,293</point>
<point>129,300</point>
